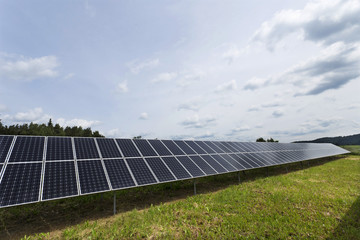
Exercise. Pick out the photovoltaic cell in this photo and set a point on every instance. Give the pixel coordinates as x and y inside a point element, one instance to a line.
<point>20,184</point>
<point>118,173</point>
<point>59,180</point>
<point>92,176</point>
<point>59,148</point>
<point>108,148</point>
<point>214,164</point>
<point>86,148</point>
<point>205,147</point>
<point>144,147</point>
<point>5,143</point>
<point>230,166</point>
<point>190,166</point>
<point>232,158</point>
<point>160,170</point>
<point>196,147</point>
<point>160,148</point>
<point>140,171</point>
<point>214,147</point>
<point>248,164</point>
<point>27,149</point>
<point>173,147</point>
<point>178,170</point>
<point>128,148</point>
<point>228,146</point>
<point>222,147</point>
<point>186,149</point>
<point>207,169</point>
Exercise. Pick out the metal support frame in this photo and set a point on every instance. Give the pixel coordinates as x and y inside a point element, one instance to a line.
<point>287,170</point>
<point>302,166</point>
<point>238,174</point>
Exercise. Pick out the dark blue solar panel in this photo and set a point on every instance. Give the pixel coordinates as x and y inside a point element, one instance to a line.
<point>229,146</point>
<point>20,184</point>
<point>231,158</point>
<point>178,170</point>
<point>196,147</point>
<point>214,147</point>
<point>59,148</point>
<point>144,147</point>
<point>205,147</point>
<point>160,170</point>
<point>251,158</point>
<point>248,164</point>
<point>140,171</point>
<point>222,147</point>
<point>160,148</point>
<point>190,166</point>
<point>27,149</point>
<point>230,166</point>
<point>59,180</point>
<point>173,147</point>
<point>92,176</point>
<point>186,149</point>
<point>108,148</point>
<point>86,148</point>
<point>128,148</point>
<point>5,143</point>
<point>207,169</point>
<point>118,173</point>
<point>214,164</point>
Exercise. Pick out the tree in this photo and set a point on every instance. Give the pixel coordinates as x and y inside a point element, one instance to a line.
<point>260,140</point>
<point>268,140</point>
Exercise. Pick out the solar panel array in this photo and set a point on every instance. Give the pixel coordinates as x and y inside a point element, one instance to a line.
<point>37,169</point>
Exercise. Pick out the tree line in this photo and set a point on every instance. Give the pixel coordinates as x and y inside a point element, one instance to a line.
<point>48,129</point>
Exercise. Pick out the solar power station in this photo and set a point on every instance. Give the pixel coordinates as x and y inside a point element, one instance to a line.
<point>37,168</point>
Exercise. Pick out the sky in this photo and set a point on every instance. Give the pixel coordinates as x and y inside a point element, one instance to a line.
<point>205,70</point>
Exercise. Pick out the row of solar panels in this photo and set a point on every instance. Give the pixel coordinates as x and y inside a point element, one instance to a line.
<point>44,168</point>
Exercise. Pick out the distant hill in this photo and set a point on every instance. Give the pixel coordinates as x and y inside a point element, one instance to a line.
<point>346,140</point>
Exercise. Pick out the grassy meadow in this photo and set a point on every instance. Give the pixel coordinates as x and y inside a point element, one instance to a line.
<point>319,200</point>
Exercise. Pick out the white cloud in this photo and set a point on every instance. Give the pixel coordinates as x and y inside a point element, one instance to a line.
<point>77,122</point>
<point>122,87</point>
<point>278,113</point>
<point>113,133</point>
<point>138,66</point>
<point>68,76</point>
<point>231,54</point>
<point>255,83</point>
<point>35,115</point>
<point>144,116</point>
<point>3,107</point>
<point>196,122</point>
<point>164,77</point>
<point>22,68</point>
<point>225,87</point>
<point>320,21</point>
<point>188,78</point>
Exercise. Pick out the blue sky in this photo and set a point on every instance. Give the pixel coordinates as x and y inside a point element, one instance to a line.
<point>233,70</point>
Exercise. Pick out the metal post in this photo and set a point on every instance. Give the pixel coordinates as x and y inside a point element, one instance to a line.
<point>239,177</point>
<point>114,203</point>
<point>267,171</point>
<point>287,170</point>
<point>194,186</point>
<point>302,166</point>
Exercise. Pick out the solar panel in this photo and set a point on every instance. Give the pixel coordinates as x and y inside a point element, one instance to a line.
<point>27,149</point>
<point>119,174</point>
<point>59,180</point>
<point>92,176</point>
<point>141,171</point>
<point>59,148</point>
<point>192,168</point>
<point>173,147</point>
<point>160,170</point>
<point>160,148</point>
<point>28,174</point>
<point>108,148</point>
<point>20,184</point>
<point>86,148</point>
<point>128,148</point>
<point>144,147</point>
<point>178,170</point>
<point>5,143</point>
<point>196,147</point>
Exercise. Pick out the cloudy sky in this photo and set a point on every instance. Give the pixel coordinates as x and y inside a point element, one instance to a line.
<point>234,70</point>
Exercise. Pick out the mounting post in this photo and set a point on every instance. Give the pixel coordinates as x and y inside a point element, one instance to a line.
<point>194,186</point>
<point>239,176</point>
<point>302,166</point>
<point>114,203</point>
<point>287,170</point>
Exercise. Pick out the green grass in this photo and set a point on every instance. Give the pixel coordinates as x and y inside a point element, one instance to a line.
<point>318,202</point>
<point>355,149</point>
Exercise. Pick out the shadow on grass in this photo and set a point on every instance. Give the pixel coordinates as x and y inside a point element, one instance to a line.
<point>19,221</point>
<point>349,226</point>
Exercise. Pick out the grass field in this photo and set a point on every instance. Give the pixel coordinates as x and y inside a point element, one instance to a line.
<point>354,149</point>
<point>319,201</point>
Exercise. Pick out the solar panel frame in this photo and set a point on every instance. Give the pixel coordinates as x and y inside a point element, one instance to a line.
<point>128,148</point>
<point>35,147</point>
<point>119,181</point>
<point>204,146</point>
<point>89,166</point>
<point>193,145</point>
<point>86,148</point>
<point>6,143</point>
<point>108,149</point>
<point>56,144</point>
<point>184,147</point>
<point>173,148</point>
<point>145,148</point>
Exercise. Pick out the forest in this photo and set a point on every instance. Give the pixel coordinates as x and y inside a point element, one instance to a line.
<point>48,129</point>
